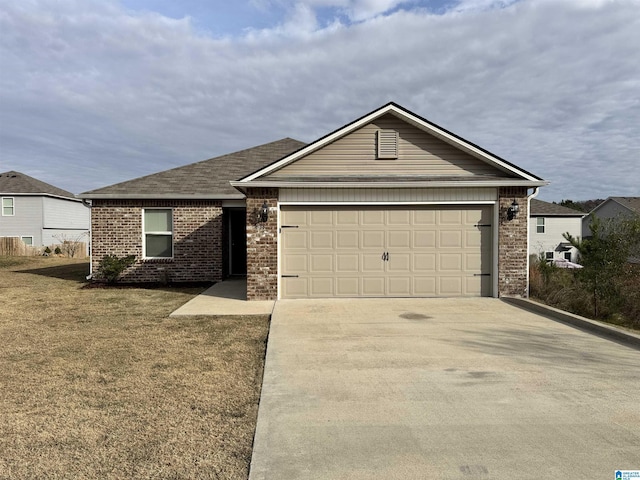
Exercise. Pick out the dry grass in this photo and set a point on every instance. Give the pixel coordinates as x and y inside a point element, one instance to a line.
<point>100,383</point>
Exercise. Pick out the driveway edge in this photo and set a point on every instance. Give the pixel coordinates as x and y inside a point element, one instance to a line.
<point>594,326</point>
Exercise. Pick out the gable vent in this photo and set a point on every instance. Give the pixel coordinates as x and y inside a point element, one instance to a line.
<point>387,144</point>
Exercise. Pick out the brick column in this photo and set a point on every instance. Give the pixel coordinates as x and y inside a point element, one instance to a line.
<point>262,245</point>
<point>512,243</point>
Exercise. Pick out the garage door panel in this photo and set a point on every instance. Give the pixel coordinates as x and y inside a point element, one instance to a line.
<point>424,286</point>
<point>377,251</point>
<point>373,286</point>
<point>373,239</point>
<point>373,217</point>
<point>321,263</point>
<point>348,263</point>
<point>294,287</point>
<point>295,240</point>
<point>295,264</point>
<point>399,239</point>
<point>347,239</point>
<point>321,286</point>
<point>399,262</point>
<point>424,262</point>
<point>399,286</point>
<point>450,262</point>
<point>399,217</point>
<point>347,217</point>
<point>450,239</point>
<point>348,286</point>
<point>424,239</point>
<point>372,262</point>
<point>320,217</point>
<point>450,286</point>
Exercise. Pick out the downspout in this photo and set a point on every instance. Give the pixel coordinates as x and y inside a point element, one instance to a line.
<point>536,190</point>
<point>87,204</point>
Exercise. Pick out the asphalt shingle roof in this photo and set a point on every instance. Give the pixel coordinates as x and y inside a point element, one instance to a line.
<point>632,203</point>
<point>18,183</point>
<point>208,178</point>
<point>538,207</point>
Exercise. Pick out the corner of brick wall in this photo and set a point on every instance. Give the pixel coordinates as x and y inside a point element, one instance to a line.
<point>262,245</point>
<point>512,243</point>
<point>116,229</point>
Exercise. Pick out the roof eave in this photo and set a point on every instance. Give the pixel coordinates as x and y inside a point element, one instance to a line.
<point>417,184</point>
<point>26,194</point>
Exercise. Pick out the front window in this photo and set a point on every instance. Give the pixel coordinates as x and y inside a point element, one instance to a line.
<point>548,256</point>
<point>158,233</point>
<point>540,225</point>
<point>8,207</point>
<point>567,256</point>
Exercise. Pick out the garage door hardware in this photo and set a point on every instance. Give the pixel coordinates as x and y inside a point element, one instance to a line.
<point>385,256</point>
<point>482,225</point>
<point>289,276</point>
<point>481,274</point>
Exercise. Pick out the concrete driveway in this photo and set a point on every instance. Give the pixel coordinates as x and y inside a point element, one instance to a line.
<point>442,389</point>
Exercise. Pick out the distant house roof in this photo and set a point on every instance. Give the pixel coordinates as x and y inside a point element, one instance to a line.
<point>208,179</point>
<point>546,209</point>
<point>16,183</point>
<point>630,203</point>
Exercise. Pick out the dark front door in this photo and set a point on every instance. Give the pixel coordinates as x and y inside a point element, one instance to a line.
<point>237,218</point>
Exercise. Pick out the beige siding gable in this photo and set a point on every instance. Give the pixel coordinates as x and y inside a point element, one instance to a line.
<point>356,154</point>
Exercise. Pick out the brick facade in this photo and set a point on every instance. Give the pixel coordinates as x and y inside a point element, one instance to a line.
<point>262,245</point>
<point>512,243</point>
<point>116,229</point>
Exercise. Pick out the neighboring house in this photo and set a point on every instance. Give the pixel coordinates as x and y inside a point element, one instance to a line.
<point>549,222</point>
<point>612,207</point>
<point>39,213</point>
<point>387,205</point>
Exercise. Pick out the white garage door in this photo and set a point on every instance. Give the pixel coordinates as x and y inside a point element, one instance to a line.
<point>344,251</point>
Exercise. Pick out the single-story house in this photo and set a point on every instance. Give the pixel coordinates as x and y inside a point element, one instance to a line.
<point>390,204</point>
<point>611,208</point>
<point>39,213</point>
<point>549,221</point>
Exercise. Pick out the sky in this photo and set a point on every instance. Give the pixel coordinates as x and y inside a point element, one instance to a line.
<point>98,92</point>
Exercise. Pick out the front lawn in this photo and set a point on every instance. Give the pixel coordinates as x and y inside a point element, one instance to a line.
<point>101,383</point>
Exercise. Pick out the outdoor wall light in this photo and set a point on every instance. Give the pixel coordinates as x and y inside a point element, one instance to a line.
<point>263,214</point>
<point>513,210</point>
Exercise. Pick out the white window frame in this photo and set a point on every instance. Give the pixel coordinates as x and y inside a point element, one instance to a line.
<point>539,224</point>
<point>22,237</point>
<point>145,233</point>
<point>567,255</point>
<point>12,207</point>
<point>548,256</point>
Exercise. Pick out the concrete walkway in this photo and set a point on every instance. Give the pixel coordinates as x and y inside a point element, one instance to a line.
<point>441,388</point>
<point>225,298</point>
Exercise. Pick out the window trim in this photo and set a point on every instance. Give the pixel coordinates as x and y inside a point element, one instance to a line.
<point>538,224</point>
<point>22,237</point>
<point>548,256</point>
<point>12,207</point>
<point>567,254</point>
<point>165,233</point>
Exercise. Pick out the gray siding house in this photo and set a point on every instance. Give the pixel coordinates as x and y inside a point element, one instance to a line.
<point>611,208</point>
<point>38,213</point>
<point>390,204</point>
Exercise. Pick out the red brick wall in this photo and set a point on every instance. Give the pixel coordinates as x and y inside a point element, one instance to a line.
<point>116,229</point>
<point>262,246</point>
<point>512,243</point>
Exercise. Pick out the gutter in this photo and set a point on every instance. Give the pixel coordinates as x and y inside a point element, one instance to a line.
<point>354,184</point>
<point>535,193</point>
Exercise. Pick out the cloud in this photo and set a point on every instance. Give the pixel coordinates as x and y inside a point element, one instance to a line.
<point>97,94</point>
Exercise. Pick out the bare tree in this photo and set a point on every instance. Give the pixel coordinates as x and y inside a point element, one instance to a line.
<point>71,244</point>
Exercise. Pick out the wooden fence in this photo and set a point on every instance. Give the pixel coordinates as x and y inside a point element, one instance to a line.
<point>15,247</point>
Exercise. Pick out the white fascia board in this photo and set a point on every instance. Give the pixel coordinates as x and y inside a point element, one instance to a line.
<point>50,195</point>
<point>417,184</point>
